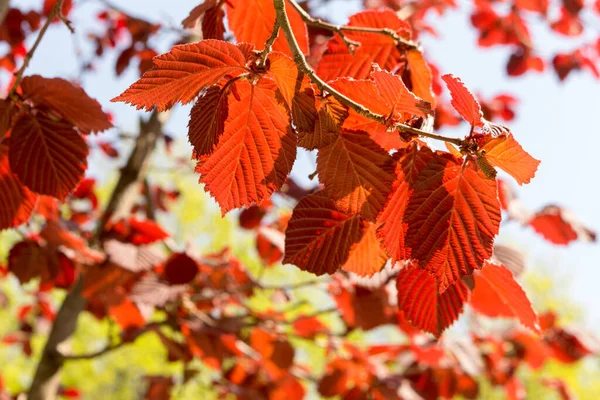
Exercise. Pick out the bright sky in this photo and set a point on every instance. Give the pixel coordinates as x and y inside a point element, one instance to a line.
<point>555,123</point>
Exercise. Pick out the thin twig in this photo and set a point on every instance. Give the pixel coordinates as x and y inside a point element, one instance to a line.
<point>283,22</point>
<point>340,29</point>
<point>55,12</point>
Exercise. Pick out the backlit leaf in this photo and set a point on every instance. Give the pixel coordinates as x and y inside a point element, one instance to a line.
<point>16,201</point>
<point>253,22</point>
<point>497,294</point>
<point>357,173</point>
<point>296,90</point>
<point>366,256</point>
<point>420,300</point>
<point>255,153</point>
<point>397,97</point>
<point>453,217</point>
<point>409,163</point>
<point>330,116</point>
<point>67,100</point>
<point>180,269</point>
<point>463,100</point>
<point>375,48</point>
<point>318,237</point>
<point>420,76</point>
<point>506,153</point>
<point>207,120</point>
<point>180,74</point>
<point>48,156</point>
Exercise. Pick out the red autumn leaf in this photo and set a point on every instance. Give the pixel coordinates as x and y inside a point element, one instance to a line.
<point>330,116</point>
<point>560,226</point>
<point>397,97</point>
<point>506,153</point>
<point>420,300</point>
<point>312,237</point>
<point>374,48</point>
<point>535,351</point>
<point>256,151</point>
<point>497,294</point>
<point>278,355</point>
<point>270,245</point>
<point>180,269</point>
<point>296,90</point>
<point>357,173</point>
<point>207,120</point>
<point>7,111</point>
<point>16,201</point>
<point>159,387</point>
<point>250,217</point>
<point>420,76</point>
<point>463,100</point>
<point>453,217</point>
<point>366,256</point>
<point>48,156</point>
<point>126,314</point>
<point>28,260</point>
<point>67,100</point>
<point>142,231</point>
<point>182,73</point>
<point>308,327</point>
<point>254,24</point>
<point>409,163</point>
<point>363,308</point>
<point>212,19</point>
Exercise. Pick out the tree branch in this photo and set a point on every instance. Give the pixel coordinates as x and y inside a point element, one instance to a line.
<point>340,29</point>
<point>46,381</point>
<point>283,22</point>
<point>54,13</point>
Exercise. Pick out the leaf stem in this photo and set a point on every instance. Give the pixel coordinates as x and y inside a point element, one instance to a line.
<point>55,12</point>
<point>340,29</point>
<point>282,21</point>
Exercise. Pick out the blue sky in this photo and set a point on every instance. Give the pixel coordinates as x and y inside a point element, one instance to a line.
<point>555,122</point>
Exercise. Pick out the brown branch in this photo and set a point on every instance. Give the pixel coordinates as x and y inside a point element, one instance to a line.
<point>340,29</point>
<point>54,13</point>
<point>47,378</point>
<point>283,22</point>
<point>4,7</point>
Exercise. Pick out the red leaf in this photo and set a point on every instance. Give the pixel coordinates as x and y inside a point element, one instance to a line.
<point>357,173</point>
<point>16,201</point>
<point>7,111</point>
<point>366,256</point>
<point>560,226</point>
<point>278,356</point>
<point>363,308</point>
<point>207,120</point>
<point>497,294</point>
<point>337,60</point>
<point>255,153</point>
<point>560,386</point>
<point>319,236</point>
<point>296,90</point>
<point>410,162</point>
<point>68,100</point>
<point>423,305</point>
<point>398,99</point>
<point>48,156</point>
<point>254,24</point>
<point>506,153</point>
<point>453,217</point>
<point>463,101</point>
<point>180,269</point>
<point>180,74</point>
<point>420,76</point>
<point>330,116</point>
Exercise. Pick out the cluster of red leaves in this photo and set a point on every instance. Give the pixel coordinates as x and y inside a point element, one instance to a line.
<point>252,111</point>
<point>42,145</point>
<point>129,33</point>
